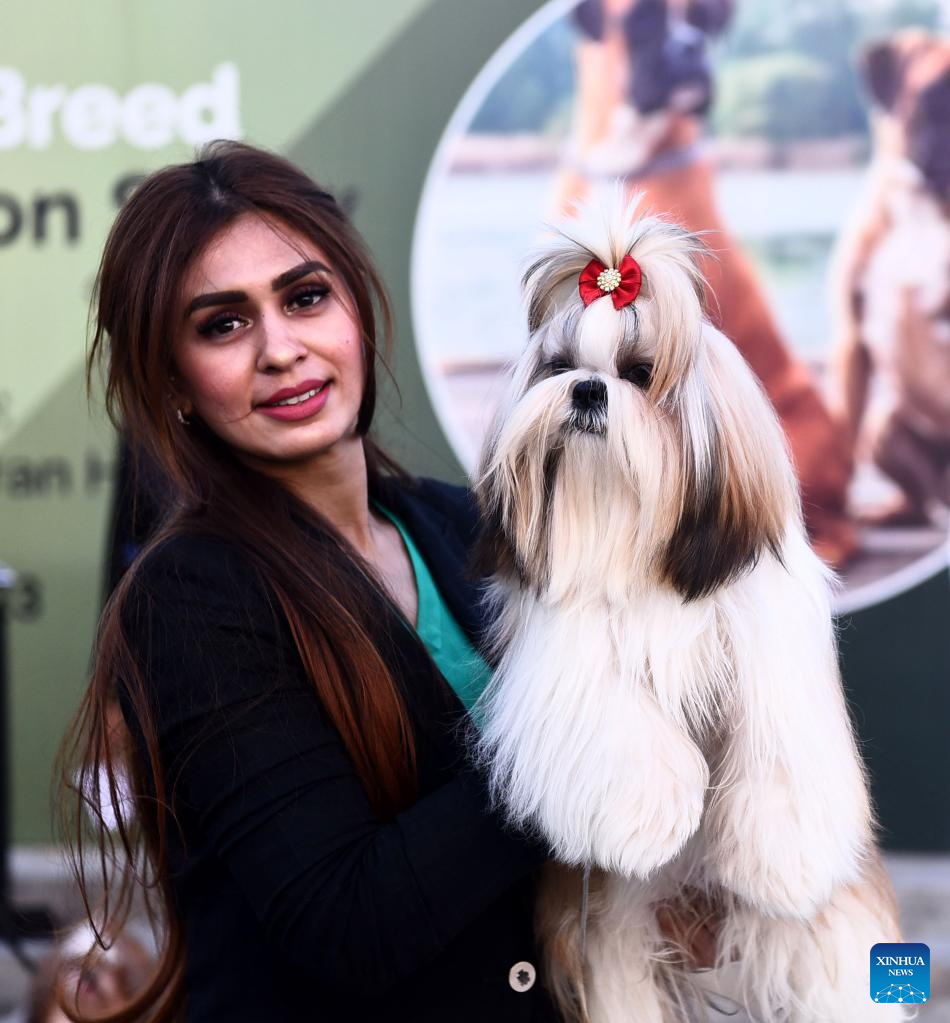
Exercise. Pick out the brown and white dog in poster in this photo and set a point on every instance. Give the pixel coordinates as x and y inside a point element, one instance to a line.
<point>893,280</point>
<point>643,84</point>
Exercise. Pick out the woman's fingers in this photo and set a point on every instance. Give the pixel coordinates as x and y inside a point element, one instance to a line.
<point>691,925</point>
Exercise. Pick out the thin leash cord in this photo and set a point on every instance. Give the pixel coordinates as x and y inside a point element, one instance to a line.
<point>585,902</point>
<point>717,1002</point>
<point>581,986</point>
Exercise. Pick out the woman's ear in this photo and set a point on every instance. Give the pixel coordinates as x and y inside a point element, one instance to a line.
<point>178,399</point>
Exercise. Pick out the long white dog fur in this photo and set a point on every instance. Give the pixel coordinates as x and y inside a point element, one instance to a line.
<point>667,706</point>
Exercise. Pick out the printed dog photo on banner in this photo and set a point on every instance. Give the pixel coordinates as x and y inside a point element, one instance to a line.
<point>804,147</point>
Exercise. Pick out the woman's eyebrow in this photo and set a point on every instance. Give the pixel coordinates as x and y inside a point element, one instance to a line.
<point>233,297</point>
<point>295,273</point>
<point>214,298</point>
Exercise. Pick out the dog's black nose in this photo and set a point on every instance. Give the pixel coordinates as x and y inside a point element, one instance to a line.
<point>589,394</point>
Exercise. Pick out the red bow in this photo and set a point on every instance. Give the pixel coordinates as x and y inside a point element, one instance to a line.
<point>621,283</point>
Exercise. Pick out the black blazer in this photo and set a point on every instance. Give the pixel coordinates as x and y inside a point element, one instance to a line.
<point>298,904</point>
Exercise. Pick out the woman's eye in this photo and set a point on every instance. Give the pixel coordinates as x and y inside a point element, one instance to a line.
<point>306,298</point>
<point>559,366</point>
<point>221,325</point>
<point>640,375</point>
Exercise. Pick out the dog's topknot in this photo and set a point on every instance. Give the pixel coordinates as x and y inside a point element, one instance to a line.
<point>608,230</point>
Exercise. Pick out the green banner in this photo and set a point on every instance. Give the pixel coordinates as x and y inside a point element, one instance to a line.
<point>94,96</point>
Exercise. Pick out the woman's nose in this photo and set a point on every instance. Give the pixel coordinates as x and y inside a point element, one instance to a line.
<point>280,347</point>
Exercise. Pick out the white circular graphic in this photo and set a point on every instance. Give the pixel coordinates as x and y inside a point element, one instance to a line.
<point>782,157</point>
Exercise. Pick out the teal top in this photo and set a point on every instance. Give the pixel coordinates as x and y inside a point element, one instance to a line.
<point>463,667</point>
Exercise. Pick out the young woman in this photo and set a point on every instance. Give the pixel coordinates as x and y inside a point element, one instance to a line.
<point>294,651</point>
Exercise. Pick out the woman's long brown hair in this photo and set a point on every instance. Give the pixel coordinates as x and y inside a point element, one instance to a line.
<point>320,586</point>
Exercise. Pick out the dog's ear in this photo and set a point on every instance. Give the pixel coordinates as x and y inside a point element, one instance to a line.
<point>493,552</point>
<point>709,16</point>
<point>738,489</point>
<point>589,18</point>
<point>882,70</point>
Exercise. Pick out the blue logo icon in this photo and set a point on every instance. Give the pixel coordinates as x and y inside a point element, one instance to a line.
<point>900,972</point>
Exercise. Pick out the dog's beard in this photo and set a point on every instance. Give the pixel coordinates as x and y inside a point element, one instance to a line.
<point>584,494</point>
<point>587,421</point>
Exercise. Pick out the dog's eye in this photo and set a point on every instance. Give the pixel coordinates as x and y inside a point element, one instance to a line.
<point>559,366</point>
<point>640,375</point>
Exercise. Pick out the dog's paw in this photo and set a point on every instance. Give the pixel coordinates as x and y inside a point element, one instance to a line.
<point>645,823</point>
<point>782,854</point>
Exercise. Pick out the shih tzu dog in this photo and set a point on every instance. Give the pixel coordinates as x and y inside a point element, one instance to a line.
<point>667,708</point>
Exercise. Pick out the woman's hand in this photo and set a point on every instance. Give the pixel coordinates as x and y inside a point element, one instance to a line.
<point>690,923</point>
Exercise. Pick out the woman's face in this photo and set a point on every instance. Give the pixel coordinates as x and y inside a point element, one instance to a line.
<point>268,353</point>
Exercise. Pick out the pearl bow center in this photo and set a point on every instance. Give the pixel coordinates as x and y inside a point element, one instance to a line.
<point>608,280</point>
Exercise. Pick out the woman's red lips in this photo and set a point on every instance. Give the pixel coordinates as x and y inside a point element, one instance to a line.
<point>292,404</point>
<point>294,392</point>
